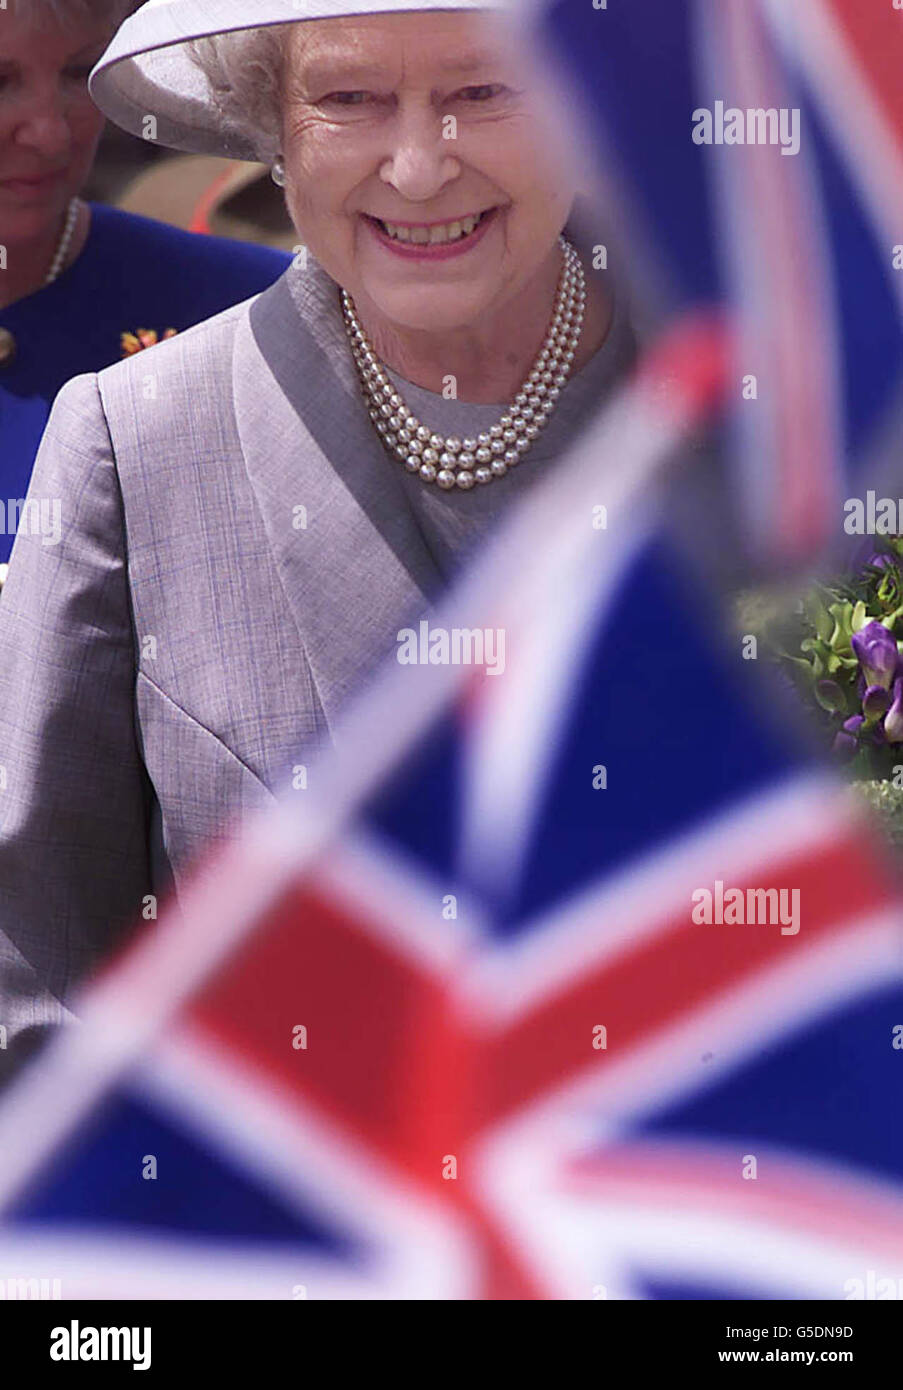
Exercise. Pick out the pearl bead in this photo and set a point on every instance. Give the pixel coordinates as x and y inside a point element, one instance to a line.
<point>523,444</point>
<point>466,458</point>
<point>483,474</point>
<point>423,434</point>
<point>415,447</point>
<point>469,446</point>
<point>412,463</point>
<point>499,468</point>
<point>483,440</point>
<point>483,455</point>
<point>505,422</point>
<point>430,455</point>
<point>453,444</point>
<point>495,431</point>
<point>437,442</point>
<point>445,479</point>
<point>447,460</point>
<point>428,472</point>
<point>512,457</point>
<point>509,436</point>
<point>465,480</point>
<point>498,446</point>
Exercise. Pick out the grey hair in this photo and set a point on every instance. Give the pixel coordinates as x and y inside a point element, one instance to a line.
<point>71,14</point>
<point>245,73</point>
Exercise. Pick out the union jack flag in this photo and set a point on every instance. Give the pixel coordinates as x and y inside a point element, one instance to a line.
<point>447,1027</point>
<point>804,251</point>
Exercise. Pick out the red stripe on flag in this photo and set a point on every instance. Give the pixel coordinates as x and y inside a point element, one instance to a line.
<point>671,973</point>
<point>875,35</point>
<point>389,1056</point>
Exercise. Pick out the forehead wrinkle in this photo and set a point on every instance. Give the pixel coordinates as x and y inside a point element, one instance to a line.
<point>322,57</point>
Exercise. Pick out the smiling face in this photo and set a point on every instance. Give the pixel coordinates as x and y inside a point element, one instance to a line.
<point>419,168</point>
<point>49,127</point>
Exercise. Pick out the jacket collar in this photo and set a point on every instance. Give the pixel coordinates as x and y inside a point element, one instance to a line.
<point>353,564</point>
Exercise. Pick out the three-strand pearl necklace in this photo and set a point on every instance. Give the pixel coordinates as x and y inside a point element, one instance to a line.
<point>453,462</point>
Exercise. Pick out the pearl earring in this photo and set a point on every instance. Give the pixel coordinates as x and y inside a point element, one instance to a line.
<point>277,173</point>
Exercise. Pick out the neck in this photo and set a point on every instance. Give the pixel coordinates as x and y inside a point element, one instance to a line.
<point>491,365</point>
<point>28,264</point>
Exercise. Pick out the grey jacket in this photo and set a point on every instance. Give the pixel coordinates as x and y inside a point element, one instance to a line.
<point>225,575</point>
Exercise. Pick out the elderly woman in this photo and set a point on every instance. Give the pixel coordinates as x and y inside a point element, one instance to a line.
<point>252,510</point>
<point>75,276</point>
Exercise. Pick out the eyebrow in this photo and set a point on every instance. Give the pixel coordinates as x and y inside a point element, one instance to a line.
<point>93,50</point>
<point>328,67</point>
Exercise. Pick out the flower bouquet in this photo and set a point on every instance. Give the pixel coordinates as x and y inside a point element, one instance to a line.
<point>841,645</point>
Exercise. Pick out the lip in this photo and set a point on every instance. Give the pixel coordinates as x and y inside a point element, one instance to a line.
<point>442,251</point>
<point>37,184</point>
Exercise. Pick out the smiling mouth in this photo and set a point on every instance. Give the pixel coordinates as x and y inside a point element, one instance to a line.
<point>432,234</point>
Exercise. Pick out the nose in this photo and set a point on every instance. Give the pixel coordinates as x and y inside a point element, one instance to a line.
<point>44,128</point>
<point>421,162</point>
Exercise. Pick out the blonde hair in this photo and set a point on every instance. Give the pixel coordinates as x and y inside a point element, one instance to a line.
<point>245,70</point>
<point>71,14</point>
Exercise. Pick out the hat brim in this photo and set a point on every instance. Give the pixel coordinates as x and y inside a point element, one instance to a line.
<point>148,84</point>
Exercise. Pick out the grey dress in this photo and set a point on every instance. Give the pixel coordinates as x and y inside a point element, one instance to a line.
<point>237,554</point>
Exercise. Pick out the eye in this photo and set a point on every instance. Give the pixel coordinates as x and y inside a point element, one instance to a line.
<point>348,98</point>
<point>485,92</point>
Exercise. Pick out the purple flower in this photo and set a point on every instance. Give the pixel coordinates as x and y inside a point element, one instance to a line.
<point>876,650</point>
<point>893,724</point>
<point>846,741</point>
<point>875,703</point>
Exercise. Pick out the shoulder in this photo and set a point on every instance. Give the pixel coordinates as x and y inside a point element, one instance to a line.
<point>180,250</point>
<point>197,363</point>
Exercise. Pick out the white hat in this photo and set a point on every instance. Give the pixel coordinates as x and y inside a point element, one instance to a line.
<point>147,70</point>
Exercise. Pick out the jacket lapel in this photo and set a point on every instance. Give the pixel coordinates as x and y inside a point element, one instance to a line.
<point>352,561</point>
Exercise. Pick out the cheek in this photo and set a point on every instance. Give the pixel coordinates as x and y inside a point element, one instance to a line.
<point>324,175</point>
<point>86,124</point>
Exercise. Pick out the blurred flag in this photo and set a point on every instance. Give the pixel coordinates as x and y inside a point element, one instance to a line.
<point>752,155</point>
<point>444,1026</point>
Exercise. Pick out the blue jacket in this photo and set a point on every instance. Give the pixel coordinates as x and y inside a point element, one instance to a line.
<point>132,273</point>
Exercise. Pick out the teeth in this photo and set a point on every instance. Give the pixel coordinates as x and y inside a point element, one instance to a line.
<point>434,236</point>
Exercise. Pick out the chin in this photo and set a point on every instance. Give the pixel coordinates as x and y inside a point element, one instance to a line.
<point>30,221</point>
<point>432,309</point>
